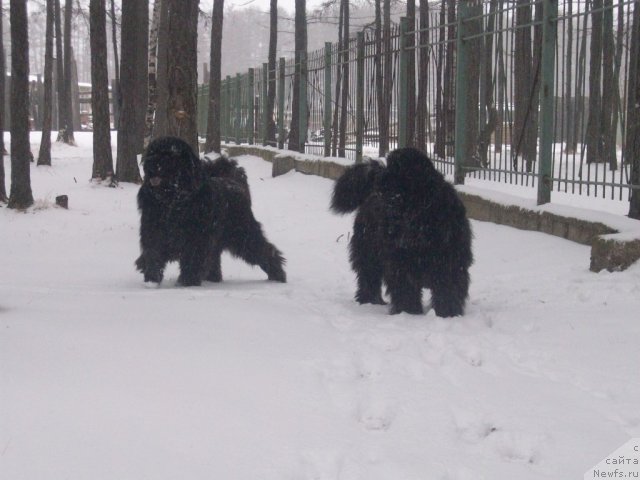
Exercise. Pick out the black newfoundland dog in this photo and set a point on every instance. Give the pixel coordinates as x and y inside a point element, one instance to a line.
<point>411,232</point>
<point>193,210</point>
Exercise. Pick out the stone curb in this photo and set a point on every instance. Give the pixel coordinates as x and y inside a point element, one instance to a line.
<point>609,251</point>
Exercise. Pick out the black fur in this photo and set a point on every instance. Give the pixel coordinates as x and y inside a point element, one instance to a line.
<point>225,167</point>
<point>190,215</point>
<point>410,232</point>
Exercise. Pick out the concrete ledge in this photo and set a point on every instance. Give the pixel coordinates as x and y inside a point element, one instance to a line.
<point>614,241</point>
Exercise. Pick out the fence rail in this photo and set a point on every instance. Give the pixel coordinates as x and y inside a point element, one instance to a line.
<point>532,93</point>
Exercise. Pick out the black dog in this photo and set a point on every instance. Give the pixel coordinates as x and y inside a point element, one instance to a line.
<point>193,210</point>
<point>411,231</point>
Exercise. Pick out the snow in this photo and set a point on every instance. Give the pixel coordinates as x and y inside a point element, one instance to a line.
<point>102,377</point>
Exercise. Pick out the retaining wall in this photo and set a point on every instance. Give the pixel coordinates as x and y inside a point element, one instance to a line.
<point>614,241</point>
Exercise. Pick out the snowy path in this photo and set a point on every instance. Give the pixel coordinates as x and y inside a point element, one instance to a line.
<point>104,378</point>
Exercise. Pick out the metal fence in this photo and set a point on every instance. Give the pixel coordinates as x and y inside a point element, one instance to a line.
<point>527,92</point>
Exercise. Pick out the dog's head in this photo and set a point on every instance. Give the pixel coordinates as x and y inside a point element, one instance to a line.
<point>171,168</point>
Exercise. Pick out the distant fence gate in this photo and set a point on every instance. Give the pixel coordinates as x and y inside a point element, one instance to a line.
<point>530,92</point>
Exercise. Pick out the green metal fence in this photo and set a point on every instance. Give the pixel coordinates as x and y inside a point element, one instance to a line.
<point>526,92</point>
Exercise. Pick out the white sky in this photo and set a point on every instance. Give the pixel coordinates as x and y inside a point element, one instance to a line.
<point>288,5</point>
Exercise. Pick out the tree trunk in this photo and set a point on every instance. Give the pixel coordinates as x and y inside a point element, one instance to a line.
<point>523,82</point>
<point>152,96</point>
<point>449,76</point>
<point>569,100</point>
<point>387,73</point>
<point>336,110</point>
<point>66,131</point>
<point>180,110</point>
<point>616,76</point>
<point>377,65</point>
<point>296,136</point>
<point>530,148</point>
<point>3,73</point>
<point>160,124</point>
<point>411,74</point>
<point>632,149</point>
<point>422,105</point>
<point>44,156</point>
<point>594,125</point>
<point>344,100</point>
<point>59,68</point>
<point>215,79</point>
<point>439,147</point>
<point>116,100</point>
<point>490,114</point>
<point>102,156</point>
<point>271,75</point>
<point>21,196</point>
<point>133,88</point>
<point>608,99</point>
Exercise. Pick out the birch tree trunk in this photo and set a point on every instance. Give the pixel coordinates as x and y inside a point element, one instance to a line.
<point>3,189</point>
<point>152,68</point>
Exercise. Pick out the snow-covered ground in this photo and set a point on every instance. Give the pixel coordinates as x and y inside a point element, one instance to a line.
<point>102,377</point>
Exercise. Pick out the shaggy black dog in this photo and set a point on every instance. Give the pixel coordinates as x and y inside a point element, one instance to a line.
<point>411,232</point>
<point>191,211</point>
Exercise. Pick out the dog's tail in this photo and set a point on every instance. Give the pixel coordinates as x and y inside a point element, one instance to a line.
<point>354,186</point>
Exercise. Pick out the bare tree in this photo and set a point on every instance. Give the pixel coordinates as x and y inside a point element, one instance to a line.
<point>66,130</point>
<point>133,88</point>
<point>102,156</point>
<point>160,123</point>
<point>59,67</point>
<point>180,110</point>
<point>344,65</point>
<point>608,93</point>
<point>21,195</point>
<point>569,99</point>
<point>439,147</point>
<point>422,107</point>
<point>523,82</point>
<point>152,102</point>
<point>411,73</point>
<point>3,189</point>
<point>213,141</point>
<point>44,156</point>
<point>489,112</point>
<point>632,148</point>
<point>117,100</point>
<point>296,136</point>
<point>271,74</point>
<point>594,123</point>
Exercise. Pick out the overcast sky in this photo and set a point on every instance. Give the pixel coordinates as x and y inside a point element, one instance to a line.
<point>288,5</point>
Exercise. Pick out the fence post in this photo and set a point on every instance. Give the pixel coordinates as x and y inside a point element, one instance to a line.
<point>463,48</point>
<point>547,66</point>
<point>328,105</point>
<point>359,95</point>
<point>265,118</point>
<point>403,86</point>
<point>251,99</point>
<point>303,102</point>
<point>281,80</point>
<point>238,109</point>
